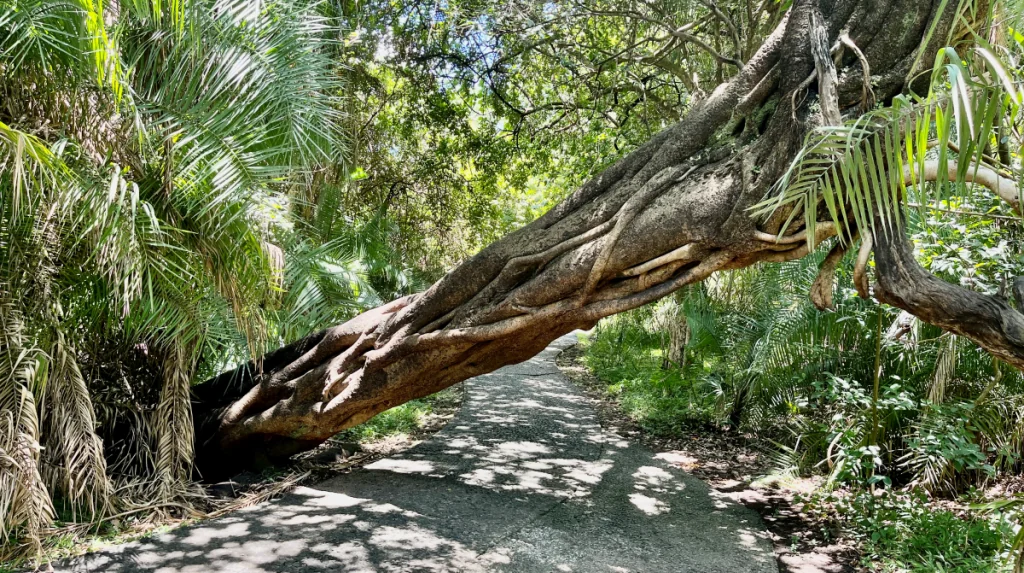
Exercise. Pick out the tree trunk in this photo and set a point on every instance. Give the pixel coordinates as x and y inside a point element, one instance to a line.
<point>667,215</point>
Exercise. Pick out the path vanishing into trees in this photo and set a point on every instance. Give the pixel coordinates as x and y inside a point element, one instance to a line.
<point>522,479</point>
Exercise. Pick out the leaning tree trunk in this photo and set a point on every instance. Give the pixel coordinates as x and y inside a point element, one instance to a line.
<point>669,214</point>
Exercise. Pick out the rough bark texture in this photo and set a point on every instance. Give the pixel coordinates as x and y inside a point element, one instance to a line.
<point>988,320</point>
<point>669,214</point>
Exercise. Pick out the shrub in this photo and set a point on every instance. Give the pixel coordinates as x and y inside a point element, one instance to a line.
<point>901,532</point>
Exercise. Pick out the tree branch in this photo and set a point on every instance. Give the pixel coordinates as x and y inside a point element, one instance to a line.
<point>987,320</point>
<point>1003,187</point>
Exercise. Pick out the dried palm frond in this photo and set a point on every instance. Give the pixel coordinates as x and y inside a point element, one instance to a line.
<point>173,422</point>
<point>74,462</point>
<point>945,368</point>
<point>24,499</point>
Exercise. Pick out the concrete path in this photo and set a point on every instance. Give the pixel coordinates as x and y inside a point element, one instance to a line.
<point>523,479</point>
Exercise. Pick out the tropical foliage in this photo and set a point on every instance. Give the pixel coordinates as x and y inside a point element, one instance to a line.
<point>186,185</point>
<point>864,395</point>
<point>165,210</point>
<point>862,399</point>
<point>920,149</point>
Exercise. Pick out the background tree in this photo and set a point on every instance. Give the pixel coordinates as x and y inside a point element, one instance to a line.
<point>670,213</point>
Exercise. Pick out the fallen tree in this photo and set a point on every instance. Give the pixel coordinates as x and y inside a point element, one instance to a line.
<point>669,214</point>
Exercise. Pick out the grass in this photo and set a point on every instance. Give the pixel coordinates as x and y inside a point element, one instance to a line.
<point>663,402</point>
<point>403,419</point>
<point>407,419</point>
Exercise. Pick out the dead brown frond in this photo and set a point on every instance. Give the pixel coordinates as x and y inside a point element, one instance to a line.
<point>261,492</point>
<point>74,462</point>
<point>173,423</point>
<point>24,500</point>
<point>25,505</point>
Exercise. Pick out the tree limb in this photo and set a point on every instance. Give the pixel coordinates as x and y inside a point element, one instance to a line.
<point>1003,187</point>
<point>987,320</point>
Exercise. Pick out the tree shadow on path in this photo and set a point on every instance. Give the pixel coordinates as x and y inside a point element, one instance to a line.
<point>523,479</point>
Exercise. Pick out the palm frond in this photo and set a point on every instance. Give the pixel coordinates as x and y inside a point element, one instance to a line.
<point>24,499</point>
<point>173,423</point>
<point>130,188</point>
<point>74,461</point>
<point>860,172</point>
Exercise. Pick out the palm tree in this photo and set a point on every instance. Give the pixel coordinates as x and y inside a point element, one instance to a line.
<point>164,203</point>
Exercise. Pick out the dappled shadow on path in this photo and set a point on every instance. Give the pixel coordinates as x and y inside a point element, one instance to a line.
<point>523,479</point>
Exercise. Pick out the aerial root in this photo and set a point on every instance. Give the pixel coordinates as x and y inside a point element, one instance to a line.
<point>342,366</point>
<point>515,265</point>
<point>626,213</point>
<point>685,254</point>
<point>378,358</point>
<point>715,261</point>
<point>867,100</point>
<point>796,252</point>
<point>1002,186</point>
<point>441,322</point>
<point>800,89</point>
<point>822,230</point>
<point>821,289</point>
<point>757,95</point>
<point>860,270</point>
<point>566,245</point>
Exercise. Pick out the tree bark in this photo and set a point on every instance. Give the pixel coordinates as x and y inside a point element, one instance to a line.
<point>988,320</point>
<point>667,215</point>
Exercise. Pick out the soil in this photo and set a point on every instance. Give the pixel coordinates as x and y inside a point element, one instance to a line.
<point>737,466</point>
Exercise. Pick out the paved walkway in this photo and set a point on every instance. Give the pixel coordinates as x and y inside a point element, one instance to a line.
<point>523,479</point>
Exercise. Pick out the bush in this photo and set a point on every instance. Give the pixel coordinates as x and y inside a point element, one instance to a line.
<point>664,402</point>
<point>900,531</point>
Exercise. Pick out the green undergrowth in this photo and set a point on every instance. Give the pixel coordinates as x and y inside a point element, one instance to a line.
<point>661,401</point>
<point>897,527</point>
<point>406,419</point>
<point>901,531</point>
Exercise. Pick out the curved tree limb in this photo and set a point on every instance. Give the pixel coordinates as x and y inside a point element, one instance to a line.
<point>1003,187</point>
<point>822,230</point>
<point>987,320</point>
